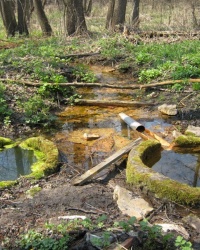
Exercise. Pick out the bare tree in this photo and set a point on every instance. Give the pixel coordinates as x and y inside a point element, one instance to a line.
<point>42,18</point>
<point>116,13</point>
<point>22,20</point>
<point>135,14</point>
<point>8,16</point>
<point>74,17</point>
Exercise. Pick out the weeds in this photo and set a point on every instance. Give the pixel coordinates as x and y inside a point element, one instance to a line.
<point>57,237</point>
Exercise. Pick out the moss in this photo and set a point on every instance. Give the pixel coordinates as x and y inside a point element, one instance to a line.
<point>33,191</point>
<point>46,153</point>
<point>187,141</point>
<point>7,184</point>
<point>5,141</point>
<point>139,174</point>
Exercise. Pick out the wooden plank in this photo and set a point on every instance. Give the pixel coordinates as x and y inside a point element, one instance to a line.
<point>108,161</point>
<point>158,138</point>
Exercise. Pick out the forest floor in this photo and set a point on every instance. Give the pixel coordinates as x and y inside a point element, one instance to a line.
<point>20,212</point>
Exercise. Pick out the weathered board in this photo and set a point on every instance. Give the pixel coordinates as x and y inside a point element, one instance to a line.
<point>108,161</point>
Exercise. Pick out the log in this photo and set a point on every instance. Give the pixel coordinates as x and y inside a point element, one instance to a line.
<point>107,162</point>
<point>111,103</point>
<point>105,85</point>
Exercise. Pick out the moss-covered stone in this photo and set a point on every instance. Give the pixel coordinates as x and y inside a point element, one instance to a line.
<point>187,141</point>
<point>4,142</point>
<point>139,174</point>
<point>46,153</point>
<point>6,184</point>
<point>44,150</point>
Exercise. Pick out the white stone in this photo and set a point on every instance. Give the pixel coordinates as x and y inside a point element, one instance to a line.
<point>129,205</point>
<point>194,130</point>
<point>176,133</point>
<point>173,227</point>
<point>168,109</point>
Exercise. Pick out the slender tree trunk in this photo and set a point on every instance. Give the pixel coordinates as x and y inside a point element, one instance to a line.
<point>22,22</point>
<point>135,13</point>
<point>8,16</point>
<point>116,13</point>
<point>74,17</point>
<point>42,18</point>
<point>111,6</point>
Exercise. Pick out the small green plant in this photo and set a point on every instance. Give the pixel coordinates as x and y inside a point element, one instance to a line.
<point>36,241</point>
<point>101,220</point>
<point>87,223</point>
<point>196,86</point>
<point>37,112</point>
<point>103,241</point>
<point>7,121</point>
<point>126,225</point>
<point>143,58</point>
<point>182,244</point>
<point>149,74</point>
<point>185,71</point>
<point>33,190</point>
<point>82,73</point>
<point>178,87</point>
<point>4,109</point>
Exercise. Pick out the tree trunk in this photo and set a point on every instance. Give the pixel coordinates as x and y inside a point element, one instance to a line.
<point>87,6</point>
<point>22,22</point>
<point>42,18</point>
<point>111,6</point>
<point>74,17</point>
<point>8,16</point>
<point>116,13</point>
<point>135,14</point>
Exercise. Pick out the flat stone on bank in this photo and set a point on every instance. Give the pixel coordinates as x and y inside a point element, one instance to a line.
<point>194,130</point>
<point>168,109</point>
<point>129,205</point>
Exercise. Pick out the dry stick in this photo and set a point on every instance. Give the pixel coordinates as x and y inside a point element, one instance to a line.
<point>181,101</point>
<point>82,84</point>
<point>82,210</point>
<point>102,211</point>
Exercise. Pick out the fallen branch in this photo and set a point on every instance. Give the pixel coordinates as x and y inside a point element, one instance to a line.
<point>106,85</point>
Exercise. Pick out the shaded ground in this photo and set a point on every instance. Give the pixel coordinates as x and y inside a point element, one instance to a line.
<point>20,212</point>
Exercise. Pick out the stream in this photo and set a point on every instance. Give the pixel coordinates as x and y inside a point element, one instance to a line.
<point>111,134</point>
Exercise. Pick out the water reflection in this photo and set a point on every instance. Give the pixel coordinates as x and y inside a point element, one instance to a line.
<point>15,162</point>
<point>184,168</point>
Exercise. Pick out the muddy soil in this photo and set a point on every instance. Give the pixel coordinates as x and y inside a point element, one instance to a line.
<point>20,212</point>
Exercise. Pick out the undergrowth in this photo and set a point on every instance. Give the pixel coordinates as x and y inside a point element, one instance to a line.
<point>46,61</point>
<point>58,236</point>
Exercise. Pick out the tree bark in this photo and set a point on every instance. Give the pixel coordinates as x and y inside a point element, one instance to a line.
<point>116,13</point>
<point>74,17</point>
<point>22,21</point>
<point>8,16</point>
<point>42,18</point>
<point>111,6</point>
<point>135,13</point>
<point>87,6</point>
